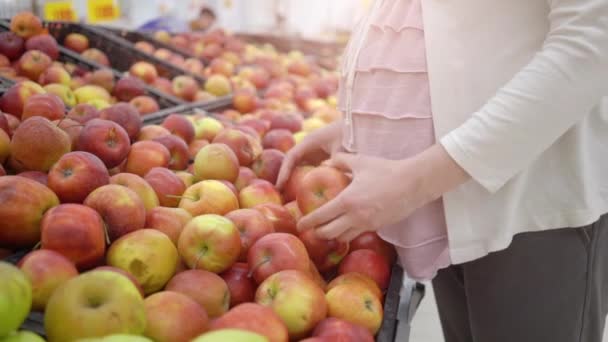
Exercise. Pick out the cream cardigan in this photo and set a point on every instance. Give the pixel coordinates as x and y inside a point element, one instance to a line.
<point>517,89</point>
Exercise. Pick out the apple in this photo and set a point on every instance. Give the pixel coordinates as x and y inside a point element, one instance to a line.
<point>210,242</point>
<point>326,254</point>
<point>194,66</point>
<point>259,125</point>
<point>145,155</point>
<point>75,175</point>
<point>11,45</point>
<point>26,25</point>
<point>33,63</point>
<point>145,105</point>
<point>150,132</point>
<point>328,115</point>
<point>162,54</point>
<point>288,121</point>
<point>5,141</point>
<point>186,177</point>
<point>144,47</point>
<point>239,143</point>
<point>177,60</point>
<point>268,165</point>
<point>208,197</point>
<point>163,84</point>
<point>76,232</point>
<point>232,335</point>
<point>96,56</point>
<point>246,176</point>
<point>256,318</point>
<point>76,42</point>
<point>295,298</point>
<point>124,273</point>
<point>46,270</point>
<point>338,330</point>
<point>45,43</point>
<point>145,71</point>
<point>302,97</point>
<point>295,182</point>
<point>13,100</point>
<point>92,94</point>
<point>4,125</point>
<point>369,263</point>
<point>37,176</point>
<point>211,51</point>
<point>185,87</point>
<point>136,183</point>
<point>170,221</point>
<point>319,186</point>
<point>356,304</point>
<point>312,124</point>
<point>166,184</point>
<point>276,252</point>
<point>105,139</point>
<point>241,286</point>
<point>117,338</point>
<point>45,105</point>
<point>245,101</point>
<point>15,298</point>
<point>207,128</point>
<point>63,92</point>
<point>218,85</point>
<point>279,216</point>
<point>120,207</point>
<point>195,146</point>
<point>103,78</point>
<point>125,115</point>
<point>280,139</point>
<point>221,66</point>
<point>95,303</point>
<point>162,36</point>
<point>358,279</point>
<point>55,74</point>
<point>216,161</point>
<point>83,113</point>
<point>177,149</point>
<point>12,121</point>
<point>371,240</point>
<point>174,317</point>
<point>259,192</point>
<point>252,225</point>
<point>148,255</point>
<point>128,88</point>
<point>294,210</point>
<point>179,126</point>
<point>206,288</point>
<point>22,336</point>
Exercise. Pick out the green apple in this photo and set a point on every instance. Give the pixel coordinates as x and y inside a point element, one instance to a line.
<point>15,298</point>
<point>117,338</point>
<point>232,335</point>
<point>94,304</point>
<point>22,336</point>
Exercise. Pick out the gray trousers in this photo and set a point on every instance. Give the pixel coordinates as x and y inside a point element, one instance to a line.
<point>548,286</point>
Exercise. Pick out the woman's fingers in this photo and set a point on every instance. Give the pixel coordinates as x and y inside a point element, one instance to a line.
<point>324,214</point>
<point>334,228</point>
<point>351,234</point>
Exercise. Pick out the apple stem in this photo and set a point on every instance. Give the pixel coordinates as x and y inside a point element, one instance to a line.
<point>186,197</point>
<point>63,118</point>
<point>198,258</point>
<point>105,233</point>
<point>255,267</point>
<point>81,125</point>
<point>37,246</point>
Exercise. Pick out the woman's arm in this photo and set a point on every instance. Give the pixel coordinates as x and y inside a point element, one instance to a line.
<point>560,86</point>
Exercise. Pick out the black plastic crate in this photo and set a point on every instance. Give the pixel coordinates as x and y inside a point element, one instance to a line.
<point>121,53</point>
<point>135,36</point>
<point>68,56</point>
<point>5,83</point>
<point>191,108</point>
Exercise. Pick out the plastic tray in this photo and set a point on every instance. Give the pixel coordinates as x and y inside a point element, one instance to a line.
<point>121,53</point>
<point>135,36</point>
<point>66,55</point>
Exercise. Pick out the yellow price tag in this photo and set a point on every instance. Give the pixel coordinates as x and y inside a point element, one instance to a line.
<point>59,10</point>
<point>228,3</point>
<point>102,10</point>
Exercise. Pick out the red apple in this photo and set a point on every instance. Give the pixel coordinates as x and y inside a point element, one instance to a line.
<point>185,87</point>
<point>13,122</point>
<point>356,278</point>
<point>83,113</point>
<point>210,242</point>
<point>294,210</point>
<point>76,232</point>
<point>120,207</point>
<point>338,330</point>
<point>240,284</point>
<point>356,304</point>
<point>4,125</point>
<point>259,125</point>
<point>371,240</point>
<point>222,67</point>
<point>178,151</point>
<point>295,182</point>
<point>170,221</point>
<point>139,186</point>
<point>255,318</point>
<point>13,100</point>
<point>280,139</point>
<point>174,317</point>
<point>150,132</point>
<point>179,126</point>
<point>45,43</point>
<point>259,192</point>
<point>326,254</point>
<point>268,165</point>
<point>77,174</point>
<point>245,101</point>
<point>46,270</point>
<point>124,273</point>
<point>33,63</point>
<point>144,47</point>
<point>277,252</point>
<point>252,225</point>
<point>96,56</point>
<point>369,263</point>
<point>46,105</point>
<point>37,176</point>
<point>26,24</point>
<point>195,146</point>
<point>291,122</point>
<point>244,179</point>
<point>55,74</point>
<point>76,42</point>
<point>145,105</point>
<point>279,216</point>
<point>11,45</point>
<point>162,54</point>
<point>105,139</point>
<point>163,84</point>
<point>145,155</point>
<point>128,88</point>
<point>209,197</point>
<point>206,288</point>
<point>194,66</point>
<point>166,184</point>
<point>319,186</point>
<point>239,143</point>
<point>125,115</point>
<point>103,78</point>
<point>216,161</point>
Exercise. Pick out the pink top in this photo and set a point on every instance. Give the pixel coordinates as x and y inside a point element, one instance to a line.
<point>391,118</point>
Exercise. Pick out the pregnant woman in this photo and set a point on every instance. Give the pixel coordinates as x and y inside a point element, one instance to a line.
<point>477,138</point>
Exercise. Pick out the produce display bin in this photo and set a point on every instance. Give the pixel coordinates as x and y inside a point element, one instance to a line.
<point>135,36</point>
<point>195,107</point>
<point>69,56</point>
<point>5,82</point>
<point>120,52</point>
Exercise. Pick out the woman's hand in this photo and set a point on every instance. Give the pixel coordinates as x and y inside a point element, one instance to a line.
<point>315,148</point>
<point>383,192</point>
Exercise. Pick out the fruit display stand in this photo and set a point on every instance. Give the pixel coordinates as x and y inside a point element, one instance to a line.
<point>135,36</point>
<point>68,56</point>
<point>121,53</point>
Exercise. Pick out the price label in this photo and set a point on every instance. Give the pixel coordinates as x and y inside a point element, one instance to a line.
<point>59,10</point>
<point>228,3</point>
<point>102,10</point>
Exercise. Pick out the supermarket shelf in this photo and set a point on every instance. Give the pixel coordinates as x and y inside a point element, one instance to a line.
<point>135,36</point>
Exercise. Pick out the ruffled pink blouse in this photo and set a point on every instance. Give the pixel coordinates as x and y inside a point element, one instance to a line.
<point>391,117</point>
